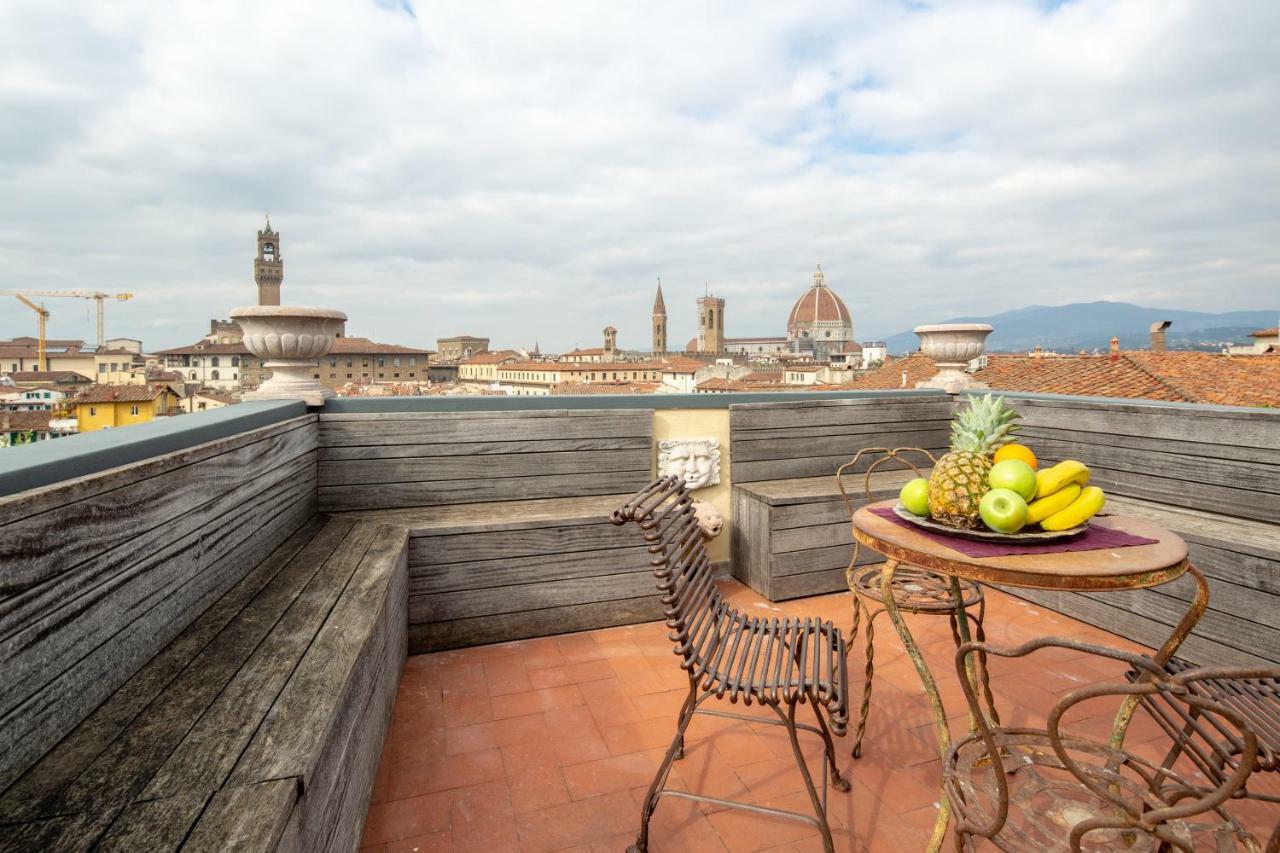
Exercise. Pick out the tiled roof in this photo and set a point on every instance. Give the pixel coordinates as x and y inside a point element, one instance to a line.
<point>220,396</point>
<point>205,348</point>
<point>364,346</point>
<point>1195,377</point>
<point>593,351</point>
<point>761,340</point>
<point>1266,333</point>
<point>495,357</point>
<point>567,388</point>
<point>819,304</point>
<point>23,421</point>
<point>659,306</point>
<point>120,393</point>
<point>71,376</point>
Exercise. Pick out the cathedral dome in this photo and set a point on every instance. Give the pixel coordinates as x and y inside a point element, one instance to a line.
<point>819,307</point>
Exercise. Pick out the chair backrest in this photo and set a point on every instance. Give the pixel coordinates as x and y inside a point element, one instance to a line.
<point>691,602</point>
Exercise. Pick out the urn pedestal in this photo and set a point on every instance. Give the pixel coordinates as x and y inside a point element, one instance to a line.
<point>952,346</point>
<point>290,340</point>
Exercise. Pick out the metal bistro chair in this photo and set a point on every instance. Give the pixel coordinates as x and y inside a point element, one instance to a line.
<point>914,590</point>
<point>1032,789</point>
<point>779,663</point>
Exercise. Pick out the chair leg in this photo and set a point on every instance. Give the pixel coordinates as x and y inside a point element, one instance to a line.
<point>660,778</point>
<point>981,636</point>
<point>789,721</point>
<point>868,674</point>
<point>837,781</point>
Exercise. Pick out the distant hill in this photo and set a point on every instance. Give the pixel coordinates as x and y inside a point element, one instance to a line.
<point>1090,326</point>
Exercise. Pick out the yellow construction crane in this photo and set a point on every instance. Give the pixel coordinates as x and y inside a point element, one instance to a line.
<point>42,364</point>
<point>100,298</point>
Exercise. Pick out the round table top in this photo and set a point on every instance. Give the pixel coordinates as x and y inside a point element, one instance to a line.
<point>1131,567</point>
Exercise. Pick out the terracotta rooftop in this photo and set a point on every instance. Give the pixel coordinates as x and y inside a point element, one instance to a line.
<point>568,388</point>
<point>494,357</point>
<point>364,346</point>
<point>203,347</point>
<point>23,421</point>
<point>1193,377</point>
<point>819,304</point>
<point>120,393</point>
<point>63,376</point>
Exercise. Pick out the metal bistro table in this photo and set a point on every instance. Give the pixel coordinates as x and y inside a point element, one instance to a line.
<point>1133,567</point>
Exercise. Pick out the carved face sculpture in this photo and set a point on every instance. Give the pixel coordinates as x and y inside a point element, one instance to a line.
<point>695,460</point>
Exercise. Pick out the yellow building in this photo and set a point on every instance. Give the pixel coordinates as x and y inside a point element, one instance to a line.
<point>110,406</point>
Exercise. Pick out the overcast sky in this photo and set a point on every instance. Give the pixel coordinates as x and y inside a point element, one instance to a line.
<point>526,171</point>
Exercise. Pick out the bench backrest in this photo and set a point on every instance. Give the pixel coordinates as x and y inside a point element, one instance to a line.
<point>1213,459</point>
<point>390,460</point>
<point>781,441</point>
<point>691,602</point>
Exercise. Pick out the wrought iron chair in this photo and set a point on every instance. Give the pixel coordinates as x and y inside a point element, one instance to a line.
<point>914,590</point>
<point>1256,700</point>
<point>1028,789</point>
<point>778,663</point>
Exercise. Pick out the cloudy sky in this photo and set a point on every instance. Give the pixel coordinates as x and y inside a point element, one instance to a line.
<point>527,170</point>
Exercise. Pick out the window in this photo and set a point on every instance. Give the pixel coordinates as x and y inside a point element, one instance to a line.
<point>215,374</point>
<point>364,362</point>
<point>412,361</point>
<point>348,365</point>
<point>235,361</point>
<point>333,362</point>
<point>115,367</point>
<point>133,410</point>
<point>396,375</point>
<point>395,362</point>
<point>93,412</point>
<point>102,368</point>
<point>195,361</point>
<point>213,362</point>
<point>348,375</point>
<point>193,376</point>
<point>333,376</point>
<point>382,362</point>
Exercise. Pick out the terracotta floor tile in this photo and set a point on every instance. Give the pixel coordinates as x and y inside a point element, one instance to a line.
<point>506,675</point>
<point>441,772</point>
<point>534,776</point>
<point>577,822</point>
<point>536,701</point>
<point>574,735</point>
<point>644,734</point>
<point>406,818</point>
<point>573,673</point>
<point>609,703</point>
<point>494,734</point>
<point>432,842</point>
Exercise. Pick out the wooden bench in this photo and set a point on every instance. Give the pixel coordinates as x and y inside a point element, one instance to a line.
<point>1207,473</point>
<point>506,512</point>
<point>259,727</point>
<point>790,533</point>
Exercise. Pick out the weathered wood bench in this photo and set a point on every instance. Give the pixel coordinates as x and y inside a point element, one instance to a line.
<point>258,727</point>
<point>506,514</point>
<point>790,534</point>
<point>1207,473</point>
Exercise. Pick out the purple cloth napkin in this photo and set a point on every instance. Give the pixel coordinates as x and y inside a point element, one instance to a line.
<point>1094,538</point>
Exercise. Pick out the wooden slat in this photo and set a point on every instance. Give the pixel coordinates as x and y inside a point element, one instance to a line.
<point>494,516</point>
<point>749,542</point>
<point>786,587</point>
<point>845,444</point>
<point>1062,431</point>
<point>459,633</point>
<point>1255,428</point>
<point>777,469</point>
<point>483,448</point>
<point>505,545</point>
<point>430,579</point>
<point>819,413</point>
<point>512,465</point>
<point>434,493</point>
<point>154,824</point>
<point>490,601</point>
<point>479,427</point>
<point>248,818</point>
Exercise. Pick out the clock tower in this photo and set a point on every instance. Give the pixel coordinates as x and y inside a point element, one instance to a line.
<point>268,266</point>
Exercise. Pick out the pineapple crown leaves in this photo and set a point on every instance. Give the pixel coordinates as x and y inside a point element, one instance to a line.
<point>984,426</point>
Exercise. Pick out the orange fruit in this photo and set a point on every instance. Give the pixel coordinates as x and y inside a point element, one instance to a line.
<point>1016,451</point>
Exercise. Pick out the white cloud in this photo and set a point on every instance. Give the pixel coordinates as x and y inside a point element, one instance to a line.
<point>526,170</point>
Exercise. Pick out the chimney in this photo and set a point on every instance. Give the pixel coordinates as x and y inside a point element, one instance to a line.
<point>1039,352</point>
<point>1115,349</point>
<point>1157,334</point>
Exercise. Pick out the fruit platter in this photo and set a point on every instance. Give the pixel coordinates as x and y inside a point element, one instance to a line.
<point>990,487</point>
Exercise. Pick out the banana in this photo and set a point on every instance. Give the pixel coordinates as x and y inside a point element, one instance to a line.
<point>1083,508</point>
<point>1039,510</point>
<point>1059,476</point>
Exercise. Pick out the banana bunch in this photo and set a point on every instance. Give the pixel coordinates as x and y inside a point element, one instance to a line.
<point>1063,497</point>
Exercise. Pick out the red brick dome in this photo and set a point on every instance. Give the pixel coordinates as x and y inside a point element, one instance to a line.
<point>819,304</point>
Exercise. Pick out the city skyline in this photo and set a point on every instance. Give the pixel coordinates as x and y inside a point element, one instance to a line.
<point>529,180</point>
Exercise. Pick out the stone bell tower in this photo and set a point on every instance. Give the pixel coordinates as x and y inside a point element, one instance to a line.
<point>659,323</point>
<point>610,343</point>
<point>268,266</point>
<point>710,324</point>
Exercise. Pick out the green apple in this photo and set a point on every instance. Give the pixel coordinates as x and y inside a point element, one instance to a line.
<point>1003,510</point>
<point>915,497</point>
<point>1015,475</point>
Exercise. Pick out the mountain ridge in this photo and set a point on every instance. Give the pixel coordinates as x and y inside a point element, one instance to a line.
<point>1091,325</point>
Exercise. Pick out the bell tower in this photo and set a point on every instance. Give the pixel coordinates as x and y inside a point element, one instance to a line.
<point>268,266</point>
<point>710,324</point>
<point>659,323</point>
<point>610,343</point>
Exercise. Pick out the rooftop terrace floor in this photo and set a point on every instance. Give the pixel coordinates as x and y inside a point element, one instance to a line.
<point>550,744</point>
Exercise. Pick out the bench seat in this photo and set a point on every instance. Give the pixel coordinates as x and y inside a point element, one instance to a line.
<point>259,727</point>
<point>791,538</point>
<point>506,570</point>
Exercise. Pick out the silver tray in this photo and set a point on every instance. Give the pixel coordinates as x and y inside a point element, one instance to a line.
<point>982,535</point>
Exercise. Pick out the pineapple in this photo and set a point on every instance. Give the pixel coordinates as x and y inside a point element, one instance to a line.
<point>959,479</point>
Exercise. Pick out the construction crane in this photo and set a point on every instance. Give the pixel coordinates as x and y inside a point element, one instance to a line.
<point>100,298</point>
<point>42,364</point>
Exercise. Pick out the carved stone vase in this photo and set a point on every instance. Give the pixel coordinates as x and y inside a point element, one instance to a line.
<point>952,346</point>
<point>290,339</point>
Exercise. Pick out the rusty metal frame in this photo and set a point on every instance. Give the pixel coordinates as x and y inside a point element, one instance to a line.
<point>778,663</point>
<point>910,589</point>
<point>993,776</point>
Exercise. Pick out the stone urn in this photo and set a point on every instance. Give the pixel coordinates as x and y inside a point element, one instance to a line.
<point>952,346</point>
<point>290,340</point>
